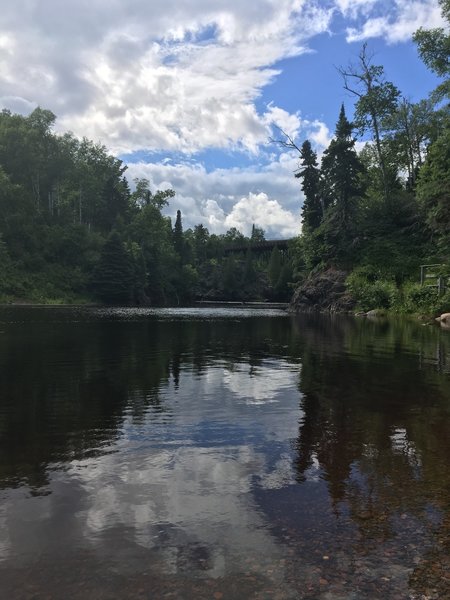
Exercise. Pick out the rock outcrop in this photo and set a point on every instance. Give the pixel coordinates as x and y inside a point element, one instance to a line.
<point>323,291</point>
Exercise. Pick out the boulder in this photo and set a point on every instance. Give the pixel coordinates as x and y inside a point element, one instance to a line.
<point>444,320</point>
<point>323,291</point>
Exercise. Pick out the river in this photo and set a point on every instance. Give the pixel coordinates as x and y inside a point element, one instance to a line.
<point>222,453</point>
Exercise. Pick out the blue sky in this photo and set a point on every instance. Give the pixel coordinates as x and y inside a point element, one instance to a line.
<point>188,92</point>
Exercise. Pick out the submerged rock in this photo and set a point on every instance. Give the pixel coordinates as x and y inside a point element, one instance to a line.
<point>324,291</point>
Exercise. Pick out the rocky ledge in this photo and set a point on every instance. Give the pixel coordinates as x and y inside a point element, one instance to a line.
<point>323,292</point>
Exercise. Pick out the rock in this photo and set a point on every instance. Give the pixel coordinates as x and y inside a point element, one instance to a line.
<point>376,312</point>
<point>323,291</point>
<point>444,320</point>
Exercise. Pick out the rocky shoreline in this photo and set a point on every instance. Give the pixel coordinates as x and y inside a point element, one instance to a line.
<point>323,292</point>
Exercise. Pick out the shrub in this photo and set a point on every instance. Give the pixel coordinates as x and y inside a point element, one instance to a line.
<point>424,299</point>
<point>371,294</point>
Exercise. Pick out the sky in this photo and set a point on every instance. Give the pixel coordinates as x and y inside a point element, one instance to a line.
<point>188,93</point>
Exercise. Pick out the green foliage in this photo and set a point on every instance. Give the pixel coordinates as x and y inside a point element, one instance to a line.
<point>434,49</point>
<point>257,234</point>
<point>376,100</point>
<point>419,298</point>
<point>312,209</point>
<point>178,236</point>
<point>114,277</point>
<point>424,299</point>
<point>433,190</point>
<point>371,293</point>
<point>275,265</point>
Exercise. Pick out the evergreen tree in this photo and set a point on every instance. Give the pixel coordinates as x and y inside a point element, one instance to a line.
<point>178,243</point>
<point>257,234</point>
<point>282,289</point>
<point>229,278</point>
<point>275,265</point>
<point>114,275</point>
<point>249,274</point>
<point>341,170</point>
<point>312,210</point>
<point>433,191</point>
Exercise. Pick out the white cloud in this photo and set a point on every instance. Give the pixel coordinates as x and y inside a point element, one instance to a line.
<point>395,21</point>
<point>354,8</point>
<point>186,77</point>
<point>269,196</point>
<point>259,385</point>
<point>161,75</point>
<point>319,134</point>
<point>264,212</point>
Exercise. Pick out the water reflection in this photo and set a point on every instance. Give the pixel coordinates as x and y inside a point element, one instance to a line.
<point>201,453</point>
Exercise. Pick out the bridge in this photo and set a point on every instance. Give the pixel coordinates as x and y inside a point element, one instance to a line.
<point>259,247</point>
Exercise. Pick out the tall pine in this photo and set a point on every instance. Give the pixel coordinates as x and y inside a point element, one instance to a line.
<point>113,281</point>
<point>178,236</point>
<point>341,171</point>
<point>312,210</point>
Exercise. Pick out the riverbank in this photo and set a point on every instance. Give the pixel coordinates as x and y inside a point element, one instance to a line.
<point>361,293</point>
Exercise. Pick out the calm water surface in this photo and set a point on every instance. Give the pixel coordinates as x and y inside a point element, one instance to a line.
<point>236,454</point>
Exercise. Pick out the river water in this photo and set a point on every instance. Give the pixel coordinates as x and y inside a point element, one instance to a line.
<point>211,453</point>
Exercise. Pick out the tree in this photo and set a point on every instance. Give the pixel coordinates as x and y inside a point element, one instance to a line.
<point>258,234</point>
<point>341,171</point>
<point>178,242</point>
<point>434,50</point>
<point>282,289</point>
<point>230,279</point>
<point>275,266</point>
<point>114,277</point>
<point>407,131</point>
<point>377,99</point>
<point>249,275</point>
<point>201,237</point>
<point>433,190</point>
<point>313,208</point>
<point>234,237</point>
<point>142,195</point>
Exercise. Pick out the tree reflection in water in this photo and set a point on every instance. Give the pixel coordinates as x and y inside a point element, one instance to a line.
<point>377,424</point>
<point>357,502</point>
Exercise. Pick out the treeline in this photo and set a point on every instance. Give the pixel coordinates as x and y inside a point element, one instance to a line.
<point>72,230</point>
<point>381,212</point>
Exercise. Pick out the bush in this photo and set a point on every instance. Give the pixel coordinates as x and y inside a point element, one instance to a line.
<point>371,294</point>
<point>423,299</point>
<point>418,297</point>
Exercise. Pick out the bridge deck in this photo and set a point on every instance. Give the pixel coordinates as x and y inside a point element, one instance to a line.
<point>262,246</point>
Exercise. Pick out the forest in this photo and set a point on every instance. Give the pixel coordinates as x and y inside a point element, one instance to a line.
<point>73,229</point>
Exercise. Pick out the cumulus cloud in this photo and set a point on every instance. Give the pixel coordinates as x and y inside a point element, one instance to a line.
<point>268,196</point>
<point>161,75</point>
<point>264,212</point>
<point>185,77</point>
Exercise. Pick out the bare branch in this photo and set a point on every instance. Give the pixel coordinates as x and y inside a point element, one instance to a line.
<point>287,142</point>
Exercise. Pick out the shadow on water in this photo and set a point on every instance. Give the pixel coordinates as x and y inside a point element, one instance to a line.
<point>200,452</point>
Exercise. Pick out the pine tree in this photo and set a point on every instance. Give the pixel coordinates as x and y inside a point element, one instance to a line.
<point>341,170</point>
<point>249,274</point>
<point>274,268</point>
<point>114,277</point>
<point>312,210</point>
<point>178,236</point>
<point>258,234</point>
